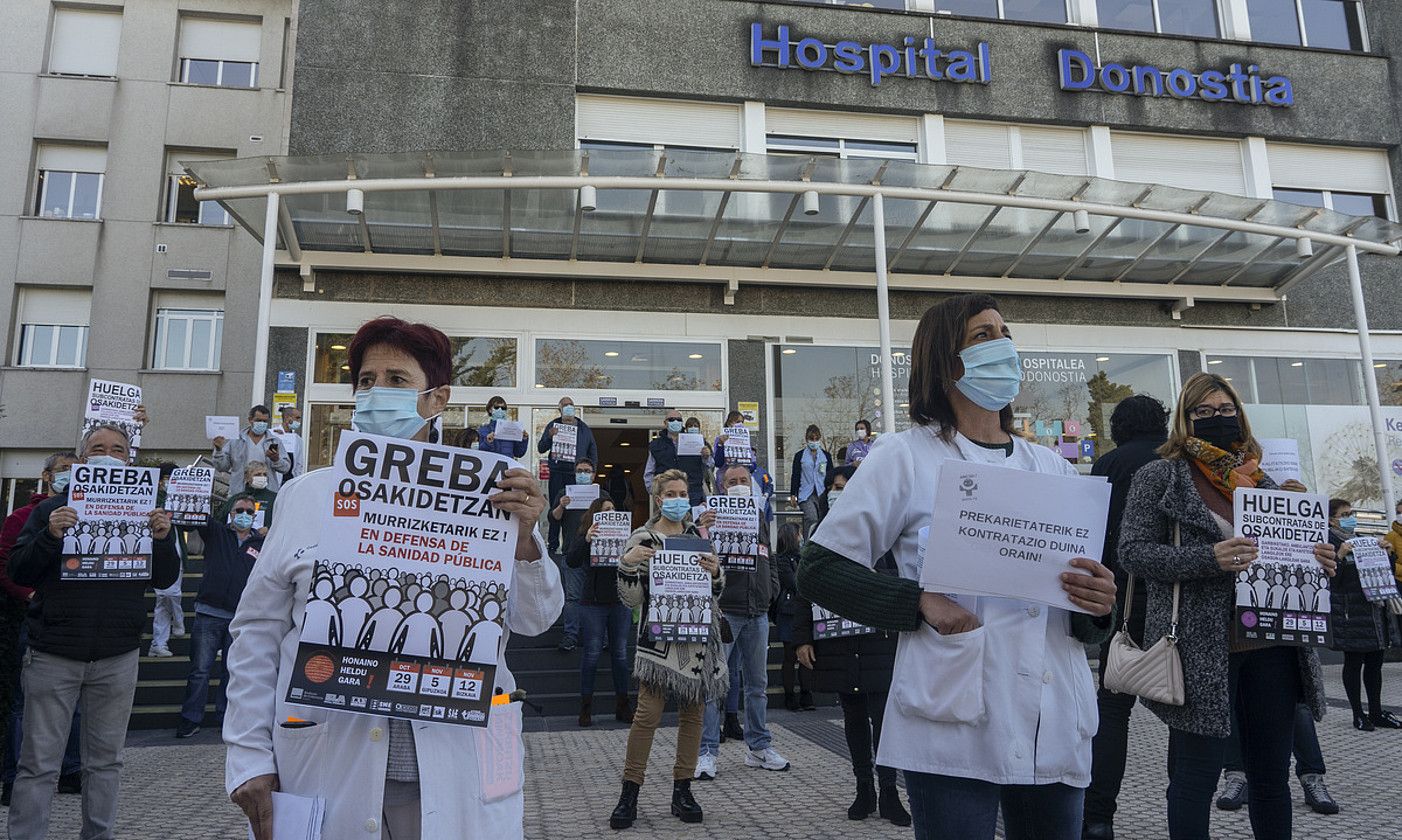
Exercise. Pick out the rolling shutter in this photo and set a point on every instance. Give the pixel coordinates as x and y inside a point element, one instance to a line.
<point>51,305</point>
<point>85,42</point>
<point>1329,168</point>
<point>1193,163</point>
<point>225,40</point>
<point>626,119</point>
<point>988,145</point>
<point>892,129</point>
<point>66,158</point>
<point>1061,151</point>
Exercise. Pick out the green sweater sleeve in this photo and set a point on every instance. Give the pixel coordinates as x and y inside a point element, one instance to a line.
<point>1094,631</point>
<point>853,591</point>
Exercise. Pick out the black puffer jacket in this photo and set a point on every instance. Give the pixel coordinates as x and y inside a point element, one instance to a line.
<point>852,664</point>
<point>83,620</point>
<point>1358,625</point>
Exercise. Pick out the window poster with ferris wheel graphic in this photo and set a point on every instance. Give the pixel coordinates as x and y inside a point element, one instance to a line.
<point>1344,457</point>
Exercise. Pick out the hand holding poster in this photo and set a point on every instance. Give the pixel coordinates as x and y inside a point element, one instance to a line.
<point>113,403</point>
<point>221,427</point>
<point>1283,597</point>
<point>580,496</point>
<point>1374,569</point>
<point>735,532</point>
<point>614,528</point>
<point>690,443</point>
<point>510,430</point>
<point>737,445</point>
<point>564,445</point>
<point>1280,459</point>
<point>679,603</point>
<point>187,496</point>
<point>112,538</point>
<point>405,614</point>
<point>985,539</point>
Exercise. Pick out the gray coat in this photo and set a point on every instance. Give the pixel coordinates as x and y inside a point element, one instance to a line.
<point>1162,493</point>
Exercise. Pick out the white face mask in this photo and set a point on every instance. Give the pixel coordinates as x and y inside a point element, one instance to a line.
<point>258,482</point>
<point>832,496</point>
<point>738,490</point>
<point>861,434</point>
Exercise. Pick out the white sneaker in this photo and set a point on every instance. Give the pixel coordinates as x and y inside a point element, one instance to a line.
<point>161,652</point>
<point>768,758</point>
<point>705,767</point>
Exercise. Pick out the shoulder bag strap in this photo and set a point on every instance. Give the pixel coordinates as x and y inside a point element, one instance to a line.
<point>1173,622</point>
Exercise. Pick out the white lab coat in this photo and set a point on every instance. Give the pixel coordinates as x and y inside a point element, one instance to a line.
<point>1012,702</point>
<point>470,777</point>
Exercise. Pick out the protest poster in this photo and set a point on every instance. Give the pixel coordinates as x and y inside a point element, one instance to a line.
<point>509,430</point>
<point>564,445</point>
<point>112,538</point>
<point>735,531</point>
<point>187,496</point>
<point>221,427</point>
<point>830,625</point>
<point>985,539</point>
<point>737,445</point>
<point>405,613</point>
<point>113,403</point>
<point>1283,597</point>
<point>690,443</point>
<point>615,526</point>
<point>580,496</point>
<point>1280,459</point>
<point>1374,569</point>
<point>679,606</point>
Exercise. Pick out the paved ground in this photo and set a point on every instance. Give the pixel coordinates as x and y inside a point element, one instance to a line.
<point>174,790</point>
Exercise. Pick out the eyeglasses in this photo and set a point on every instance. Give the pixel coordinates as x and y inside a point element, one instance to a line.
<point>1203,412</point>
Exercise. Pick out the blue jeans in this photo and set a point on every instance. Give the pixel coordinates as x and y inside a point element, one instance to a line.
<point>596,620</point>
<point>947,806</point>
<point>573,580</point>
<point>72,759</point>
<point>209,637</point>
<point>752,639</point>
<point>737,682</point>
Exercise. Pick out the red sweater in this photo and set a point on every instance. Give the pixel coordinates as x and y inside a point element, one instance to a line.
<point>9,533</point>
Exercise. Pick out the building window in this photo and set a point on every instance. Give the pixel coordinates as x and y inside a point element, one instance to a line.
<point>1328,24</point>
<point>188,339</point>
<point>842,147</point>
<point>627,365</point>
<point>477,362</point>
<point>220,53</point>
<point>85,42</point>
<point>1348,203</point>
<point>1267,380</point>
<point>1196,18</point>
<point>181,206</point>
<point>52,345</point>
<point>898,5</point>
<point>1039,11</point>
<point>69,183</point>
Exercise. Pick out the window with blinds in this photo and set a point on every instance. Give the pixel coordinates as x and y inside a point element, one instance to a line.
<point>221,53</point>
<point>665,122</point>
<point>984,144</point>
<point>1061,151</point>
<point>69,181</point>
<point>181,206</point>
<point>189,331</point>
<point>1329,168</point>
<point>53,327</point>
<point>1194,163</point>
<point>85,42</point>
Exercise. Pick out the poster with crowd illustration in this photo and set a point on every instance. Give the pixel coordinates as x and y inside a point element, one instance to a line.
<point>679,606</point>
<point>188,494</point>
<point>614,528</point>
<point>407,605</point>
<point>112,538</point>
<point>113,404</point>
<point>1374,569</point>
<point>829,625</point>
<point>735,531</point>
<point>1283,597</point>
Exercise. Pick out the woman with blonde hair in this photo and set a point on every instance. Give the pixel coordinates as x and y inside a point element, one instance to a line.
<point>693,672</point>
<point>1178,532</point>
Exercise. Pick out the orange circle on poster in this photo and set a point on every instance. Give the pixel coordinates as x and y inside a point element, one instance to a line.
<point>72,563</point>
<point>319,668</point>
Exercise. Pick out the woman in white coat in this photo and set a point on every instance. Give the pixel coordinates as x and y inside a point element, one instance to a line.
<point>382,778</point>
<point>992,702</point>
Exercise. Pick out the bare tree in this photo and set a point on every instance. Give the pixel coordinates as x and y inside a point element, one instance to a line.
<point>566,364</point>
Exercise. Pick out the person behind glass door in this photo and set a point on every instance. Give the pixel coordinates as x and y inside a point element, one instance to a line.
<point>1210,452</point>
<point>812,473</point>
<point>1026,746</point>
<point>1361,630</point>
<point>662,456</point>
<point>487,434</point>
<point>860,446</point>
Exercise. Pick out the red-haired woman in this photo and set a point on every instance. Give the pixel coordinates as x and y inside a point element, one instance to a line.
<point>367,767</point>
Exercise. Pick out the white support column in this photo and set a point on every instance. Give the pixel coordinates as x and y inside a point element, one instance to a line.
<point>1370,383</point>
<point>1236,24</point>
<point>932,148</point>
<point>265,300</point>
<point>1257,167</point>
<point>1102,153</point>
<point>753,136</point>
<point>883,313</point>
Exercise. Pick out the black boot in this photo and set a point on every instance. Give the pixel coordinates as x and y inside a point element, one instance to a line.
<point>626,811</point>
<point>891,807</point>
<point>865,803</point>
<point>683,803</point>
<point>805,701</point>
<point>732,726</point>
<point>586,711</point>
<point>622,709</point>
<point>791,701</point>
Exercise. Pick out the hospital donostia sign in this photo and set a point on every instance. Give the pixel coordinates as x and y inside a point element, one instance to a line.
<point>924,58</point>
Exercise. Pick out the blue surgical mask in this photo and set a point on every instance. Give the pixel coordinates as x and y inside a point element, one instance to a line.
<point>259,427</point>
<point>674,426</point>
<point>294,426</point>
<point>815,445</point>
<point>60,481</point>
<point>1347,524</point>
<point>676,509</point>
<point>567,411</point>
<point>992,374</point>
<point>243,521</point>
<point>104,461</point>
<point>391,412</point>
<point>498,414</point>
<point>583,478</point>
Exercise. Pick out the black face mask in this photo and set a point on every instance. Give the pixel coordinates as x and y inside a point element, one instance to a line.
<point>1219,431</point>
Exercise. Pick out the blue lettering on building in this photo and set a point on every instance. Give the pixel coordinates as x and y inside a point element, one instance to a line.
<point>1243,84</point>
<point>911,59</point>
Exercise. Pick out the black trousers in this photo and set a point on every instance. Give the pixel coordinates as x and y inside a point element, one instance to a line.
<point>791,670</point>
<point>561,475</point>
<point>861,723</point>
<point>1111,742</point>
